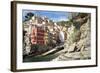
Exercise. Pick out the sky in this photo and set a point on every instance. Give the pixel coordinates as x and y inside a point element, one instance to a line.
<point>52,15</point>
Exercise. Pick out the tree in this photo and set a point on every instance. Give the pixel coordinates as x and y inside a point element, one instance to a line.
<point>29,16</point>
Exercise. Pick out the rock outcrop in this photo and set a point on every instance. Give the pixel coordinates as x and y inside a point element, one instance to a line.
<point>78,43</point>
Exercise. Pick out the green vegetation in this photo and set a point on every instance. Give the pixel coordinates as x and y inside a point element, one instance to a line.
<point>28,16</point>
<point>39,48</point>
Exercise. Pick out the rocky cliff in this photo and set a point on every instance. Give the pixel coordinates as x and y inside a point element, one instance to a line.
<point>78,43</point>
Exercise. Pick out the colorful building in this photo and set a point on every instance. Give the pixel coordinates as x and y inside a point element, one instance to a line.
<point>38,35</point>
